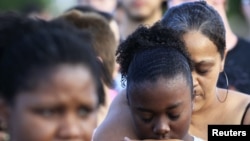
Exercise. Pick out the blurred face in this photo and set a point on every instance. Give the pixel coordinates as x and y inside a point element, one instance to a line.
<point>172,3</point>
<point>245,4</point>
<point>102,5</point>
<point>62,108</point>
<point>140,10</point>
<point>207,66</point>
<point>161,109</point>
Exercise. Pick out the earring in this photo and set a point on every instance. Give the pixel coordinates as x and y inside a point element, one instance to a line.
<point>221,101</point>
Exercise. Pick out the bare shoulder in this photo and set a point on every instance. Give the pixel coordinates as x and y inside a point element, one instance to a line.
<point>240,102</point>
<point>239,98</point>
<point>117,123</point>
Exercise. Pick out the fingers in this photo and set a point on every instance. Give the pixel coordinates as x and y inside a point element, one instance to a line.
<point>128,139</point>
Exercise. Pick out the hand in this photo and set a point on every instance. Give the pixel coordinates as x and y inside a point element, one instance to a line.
<point>128,139</point>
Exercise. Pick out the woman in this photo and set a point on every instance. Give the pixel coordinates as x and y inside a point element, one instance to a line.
<point>49,81</point>
<point>104,45</point>
<point>201,29</point>
<point>159,87</point>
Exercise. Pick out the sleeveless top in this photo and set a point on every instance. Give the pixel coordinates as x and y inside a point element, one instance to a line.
<point>244,114</point>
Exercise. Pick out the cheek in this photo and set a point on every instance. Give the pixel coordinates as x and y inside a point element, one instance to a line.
<point>181,127</point>
<point>29,128</point>
<point>88,126</point>
<point>142,129</point>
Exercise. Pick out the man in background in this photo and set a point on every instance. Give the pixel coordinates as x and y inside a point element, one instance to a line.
<point>137,12</point>
<point>108,6</point>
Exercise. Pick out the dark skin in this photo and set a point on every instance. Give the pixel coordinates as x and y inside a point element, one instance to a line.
<point>161,109</point>
<point>166,118</point>
<point>63,107</point>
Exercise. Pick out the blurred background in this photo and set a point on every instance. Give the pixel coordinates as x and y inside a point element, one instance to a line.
<point>238,11</point>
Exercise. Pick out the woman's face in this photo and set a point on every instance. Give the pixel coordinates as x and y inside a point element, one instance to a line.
<point>62,108</point>
<point>207,66</point>
<point>161,109</point>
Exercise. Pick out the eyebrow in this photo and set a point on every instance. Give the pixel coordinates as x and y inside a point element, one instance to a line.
<point>206,62</point>
<point>151,111</point>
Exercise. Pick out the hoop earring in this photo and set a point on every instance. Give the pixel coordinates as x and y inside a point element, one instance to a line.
<point>222,101</point>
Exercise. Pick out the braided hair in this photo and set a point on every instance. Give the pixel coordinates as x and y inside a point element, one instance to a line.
<point>150,53</point>
<point>31,46</point>
<point>197,16</point>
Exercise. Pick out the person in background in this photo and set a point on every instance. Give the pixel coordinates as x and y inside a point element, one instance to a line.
<point>236,67</point>
<point>50,80</point>
<point>114,26</point>
<point>34,10</point>
<point>139,12</point>
<point>245,7</point>
<point>107,6</point>
<point>104,45</point>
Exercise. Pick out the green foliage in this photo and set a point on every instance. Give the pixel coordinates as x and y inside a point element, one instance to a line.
<point>20,4</point>
<point>234,8</point>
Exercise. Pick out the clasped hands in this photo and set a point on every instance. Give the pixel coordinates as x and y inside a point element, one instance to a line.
<point>128,139</point>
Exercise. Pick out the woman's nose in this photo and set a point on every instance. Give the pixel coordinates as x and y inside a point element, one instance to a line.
<point>69,128</point>
<point>161,128</point>
<point>195,79</point>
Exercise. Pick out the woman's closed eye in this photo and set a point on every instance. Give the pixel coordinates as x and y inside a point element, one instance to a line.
<point>173,116</point>
<point>146,117</point>
<point>203,71</point>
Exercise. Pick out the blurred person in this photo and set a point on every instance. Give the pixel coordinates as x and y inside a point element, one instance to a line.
<point>102,5</point>
<point>112,22</point>
<point>50,80</point>
<point>194,24</point>
<point>104,45</point>
<point>139,12</point>
<point>245,6</point>
<point>236,66</point>
<point>114,26</point>
<point>119,13</point>
<point>34,10</point>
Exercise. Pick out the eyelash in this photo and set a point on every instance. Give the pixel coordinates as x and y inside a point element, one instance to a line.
<point>147,120</point>
<point>86,111</point>
<point>173,117</point>
<point>46,112</point>
<point>52,112</point>
<point>202,71</point>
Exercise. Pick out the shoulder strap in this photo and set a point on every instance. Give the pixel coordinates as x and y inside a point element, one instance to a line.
<point>243,117</point>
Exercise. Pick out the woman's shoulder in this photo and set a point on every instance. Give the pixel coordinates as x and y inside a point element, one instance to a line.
<point>238,97</point>
<point>239,103</point>
<point>117,124</point>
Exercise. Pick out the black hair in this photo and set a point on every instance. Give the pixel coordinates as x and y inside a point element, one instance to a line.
<point>31,46</point>
<point>150,53</point>
<point>85,8</point>
<point>197,16</point>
